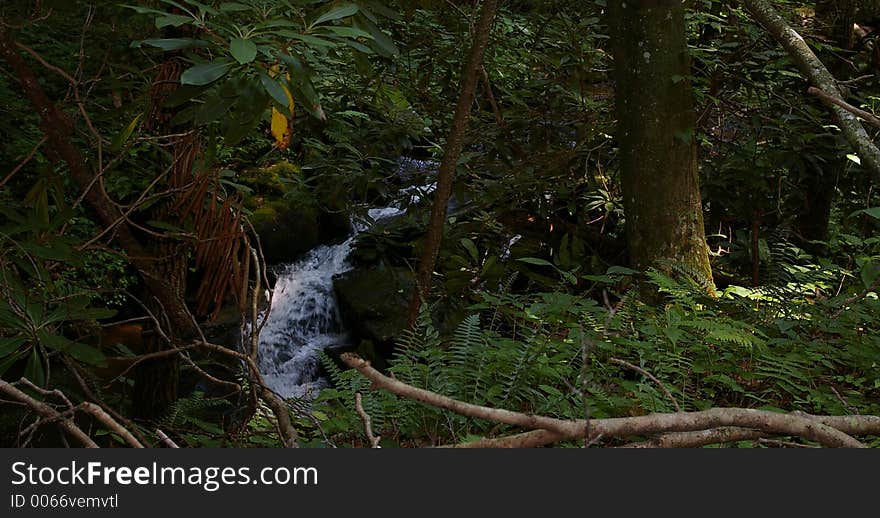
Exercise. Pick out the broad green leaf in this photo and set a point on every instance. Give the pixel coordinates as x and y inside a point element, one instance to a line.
<point>470,247</point>
<point>341,11</point>
<point>874,212</point>
<point>869,274</point>
<point>383,44</point>
<point>87,354</point>
<point>536,261</point>
<point>244,51</point>
<point>229,7</point>
<point>10,345</point>
<point>305,38</point>
<point>348,32</point>
<point>168,44</point>
<point>293,63</point>
<point>620,270</point>
<point>213,109</point>
<point>854,158</point>
<point>274,89</point>
<point>51,251</point>
<point>34,368</point>
<point>200,75</point>
<point>173,20</point>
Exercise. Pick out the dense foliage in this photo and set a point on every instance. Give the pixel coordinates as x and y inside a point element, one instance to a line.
<point>303,110</point>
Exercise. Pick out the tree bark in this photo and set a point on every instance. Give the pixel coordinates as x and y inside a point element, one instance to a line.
<point>454,144</point>
<point>658,154</point>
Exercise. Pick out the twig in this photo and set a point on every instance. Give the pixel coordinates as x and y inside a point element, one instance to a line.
<point>234,387</point>
<point>89,394</point>
<point>365,417</point>
<point>165,439</point>
<point>49,413</point>
<point>651,377</point>
<point>287,432</point>
<point>24,162</point>
<point>102,416</point>
<point>828,98</point>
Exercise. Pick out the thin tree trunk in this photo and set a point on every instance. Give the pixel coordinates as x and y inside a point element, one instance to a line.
<point>658,154</point>
<point>836,18</point>
<point>813,69</point>
<point>446,174</point>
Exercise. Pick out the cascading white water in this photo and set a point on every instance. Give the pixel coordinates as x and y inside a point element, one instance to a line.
<point>303,321</point>
<point>304,318</point>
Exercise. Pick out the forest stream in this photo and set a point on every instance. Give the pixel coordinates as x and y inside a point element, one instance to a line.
<point>304,318</point>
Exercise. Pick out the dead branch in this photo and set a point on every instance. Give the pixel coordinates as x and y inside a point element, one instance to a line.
<point>770,422</point>
<point>89,394</point>
<point>165,439</point>
<point>531,439</point>
<point>813,69</point>
<point>114,426</point>
<point>279,407</point>
<point>365,417</point>
<point>699,438</point>
<point>830,99</point>
<point>49,413</point>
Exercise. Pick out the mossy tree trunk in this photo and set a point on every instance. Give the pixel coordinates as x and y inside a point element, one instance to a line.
<point>656,119</point>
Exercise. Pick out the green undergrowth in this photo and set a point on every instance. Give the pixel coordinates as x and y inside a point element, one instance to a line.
<point>775,348</point>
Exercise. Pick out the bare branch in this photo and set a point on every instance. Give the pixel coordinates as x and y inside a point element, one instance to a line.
<point>365,417</point>
<point>49,413</point>
<point>114,426</point>
<point>770,422</point>
<point>830,99</point>
<point>818,74</point>
<point>165,439</point>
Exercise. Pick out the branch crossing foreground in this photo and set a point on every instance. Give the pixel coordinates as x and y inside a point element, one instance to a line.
<point>681,429</point>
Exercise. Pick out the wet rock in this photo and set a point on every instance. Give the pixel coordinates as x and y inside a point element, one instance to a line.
<point>373,304</point>
<point>286,229</point>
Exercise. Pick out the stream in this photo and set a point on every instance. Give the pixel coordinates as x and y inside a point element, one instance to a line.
<point>304,319</point>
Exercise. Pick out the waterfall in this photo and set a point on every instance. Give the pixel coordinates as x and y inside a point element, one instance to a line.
<point>303,321</point>
<point>304,318</point>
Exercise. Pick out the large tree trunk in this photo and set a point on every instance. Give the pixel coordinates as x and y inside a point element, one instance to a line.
<point>446,174</point>
<point>658,155</point>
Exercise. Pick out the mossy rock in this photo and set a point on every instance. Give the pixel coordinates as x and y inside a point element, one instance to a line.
<point>286,229</point>
<point>374,303</point>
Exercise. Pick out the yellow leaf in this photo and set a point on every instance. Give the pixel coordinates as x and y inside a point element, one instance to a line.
<point>282,126</point>
<point>281,130</point>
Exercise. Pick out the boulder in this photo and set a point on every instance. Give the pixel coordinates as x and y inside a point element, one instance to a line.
<point>286,229</point>
<point>373,304</point>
